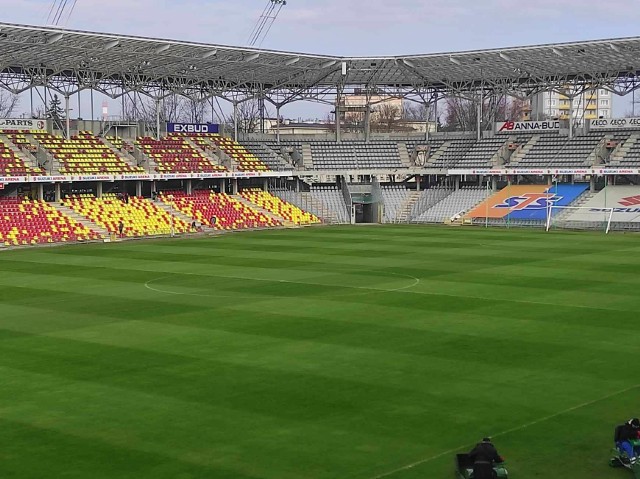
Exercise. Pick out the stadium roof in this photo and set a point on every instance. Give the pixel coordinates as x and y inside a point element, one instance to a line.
<point>69,60</point>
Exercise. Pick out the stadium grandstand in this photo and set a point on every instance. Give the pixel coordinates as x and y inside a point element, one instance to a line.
<point>195,300</point>
<point>221,178</point>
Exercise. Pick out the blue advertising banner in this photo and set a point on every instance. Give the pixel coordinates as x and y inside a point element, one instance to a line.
<point>192,128</point>
<point>534,206</point>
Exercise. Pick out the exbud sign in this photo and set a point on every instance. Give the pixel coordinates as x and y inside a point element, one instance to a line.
<point>518,126</point>
<point>192,128</point>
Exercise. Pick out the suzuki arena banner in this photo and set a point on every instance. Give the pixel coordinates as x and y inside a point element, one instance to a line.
<point>520,126</point>
<point>527,202</point>
<point>22,124</point>
<point>614,123</point>
<point>625,201</point>
<point>192,128</point>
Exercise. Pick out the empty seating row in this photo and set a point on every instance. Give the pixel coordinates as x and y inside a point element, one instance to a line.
<point>175,155</point>
<point>345,155</point>
<point>85,154</point>
<point>394,197</point>
<point>12,165</point>
<point>217,210</point>
<point>458,202</point>
<point>246,160</point>
<point>139,217</point>
<point>333,198</point>
<point>27,222</point>
<point>279,207</point>
<point>265,154</point>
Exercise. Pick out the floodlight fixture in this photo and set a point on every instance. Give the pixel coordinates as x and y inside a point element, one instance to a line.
<point>208,54</point>
<point>252,57</point>
<point>328,64</point>
<point>557,52</point>
<point>112,44</point>
<point>292,61</point>
<point>455,60</point>
<point>504,56</point>
<point>54,38</point>
<point>615,48</point>
<point>408,63</point>
<point>162,48</point>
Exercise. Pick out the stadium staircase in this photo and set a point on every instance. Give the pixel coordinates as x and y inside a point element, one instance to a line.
<point>405,158</point>
<point>24,155</point>
<point>230,212</point>
<point>503,154</point>
<point>519,155</point>
<point>404,212</point>
<point>121,152</point>
<point>179,214</point>
<point>622,150</point>
<point>307,156</point>
<point>29,222</point>
<point>307,201</point>
<point>581,200</point>
<point>439,153</point>
<point>318,207</point>
<point>285,211</point>
<point>599,152</point>
<point>78,218</point>
<point>210,152</point>
<point>427,199</point>
<point>144,160</point>
<point>267,213</point>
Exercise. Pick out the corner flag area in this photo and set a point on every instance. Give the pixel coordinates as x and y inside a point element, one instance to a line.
<point>318,353</point>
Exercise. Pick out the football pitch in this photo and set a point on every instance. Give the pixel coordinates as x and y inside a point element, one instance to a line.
<point>319,353</point>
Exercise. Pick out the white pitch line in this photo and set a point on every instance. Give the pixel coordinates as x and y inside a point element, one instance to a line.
<point>508,431</point>
<point>402,289</point>
<point>148,286</point>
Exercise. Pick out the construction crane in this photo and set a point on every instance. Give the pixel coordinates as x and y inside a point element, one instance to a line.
<point>265,22</point>
<point>58,10</point>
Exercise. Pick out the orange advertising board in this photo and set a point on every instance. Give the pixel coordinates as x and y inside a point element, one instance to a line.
<point>494,207</point>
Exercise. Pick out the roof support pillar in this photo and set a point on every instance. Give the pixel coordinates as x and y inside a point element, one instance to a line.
<point>235,120</point>
<point>278,123</point>
<point>367,122</point>
<point>479,125</point>
<point>338,132</point>
<point>67,116</point>
<point>571,117</point>
<point>158,118</point>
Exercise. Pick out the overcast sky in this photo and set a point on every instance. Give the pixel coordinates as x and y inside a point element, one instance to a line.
<point>353,27</point>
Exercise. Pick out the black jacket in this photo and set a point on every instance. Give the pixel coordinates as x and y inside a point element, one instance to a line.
<point>485,452</point>
<point>625,432</point>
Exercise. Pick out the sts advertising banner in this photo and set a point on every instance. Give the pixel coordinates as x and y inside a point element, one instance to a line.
<point>527,202</point>
<point>192,128</point>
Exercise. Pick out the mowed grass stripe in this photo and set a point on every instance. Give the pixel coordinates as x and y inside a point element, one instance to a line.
<point>299,379</point>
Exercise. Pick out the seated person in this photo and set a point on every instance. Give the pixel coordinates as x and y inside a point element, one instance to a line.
<point>625,436</point>
<point>484,455</point>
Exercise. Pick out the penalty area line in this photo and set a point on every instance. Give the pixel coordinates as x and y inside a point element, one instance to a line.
<point>508,431</point>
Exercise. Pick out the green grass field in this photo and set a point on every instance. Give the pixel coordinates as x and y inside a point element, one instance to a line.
<point>347,352</point>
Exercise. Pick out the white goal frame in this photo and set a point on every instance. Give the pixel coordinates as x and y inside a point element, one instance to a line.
<point>606,211</point>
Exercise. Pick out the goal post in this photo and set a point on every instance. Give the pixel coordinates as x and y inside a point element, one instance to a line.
<point>579,218</point>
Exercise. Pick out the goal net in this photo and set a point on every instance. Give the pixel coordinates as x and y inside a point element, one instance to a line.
<point>579,218</point>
